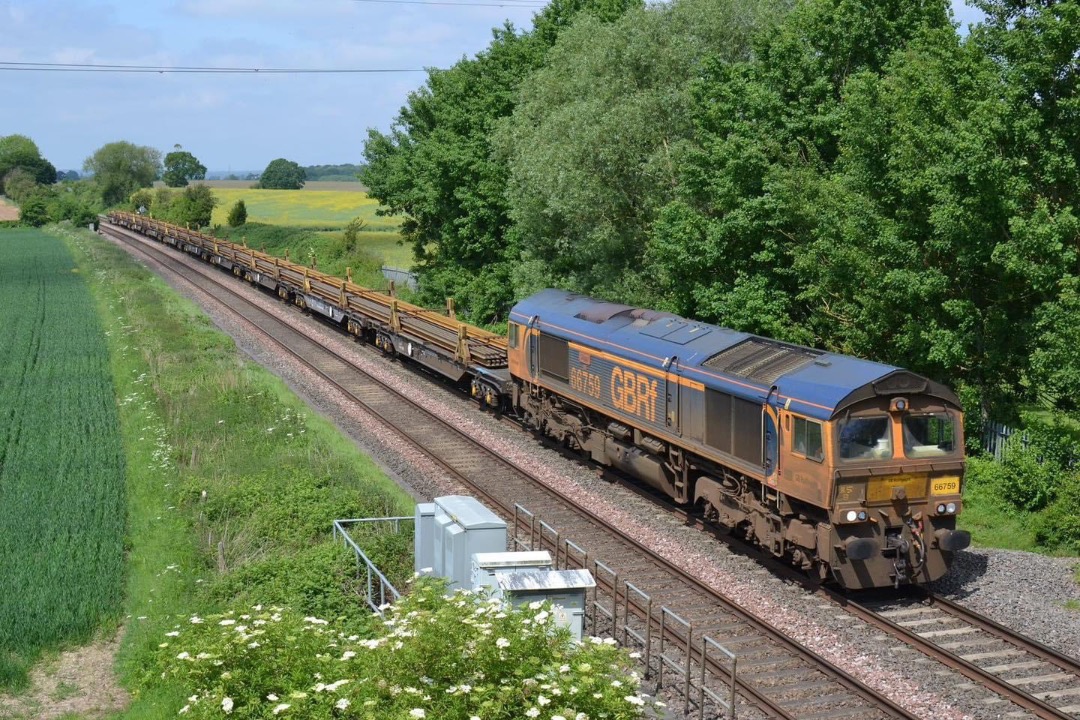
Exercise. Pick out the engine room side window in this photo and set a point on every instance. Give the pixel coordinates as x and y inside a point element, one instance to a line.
<point>512,335</point>
<point>931,435</point>
<point>807,440</point>
<point>554,358</point>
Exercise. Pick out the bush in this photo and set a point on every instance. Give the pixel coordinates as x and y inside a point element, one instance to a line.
<point>432,656</point>
<point>1035,461</point>
<point>237,214</point>
<point>1058,527</point>
<point>34,210</point>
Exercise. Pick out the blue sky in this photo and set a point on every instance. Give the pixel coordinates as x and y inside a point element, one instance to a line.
<point>232,122</point>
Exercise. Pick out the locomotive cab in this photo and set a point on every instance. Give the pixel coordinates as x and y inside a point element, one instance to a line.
<point>897,471</point>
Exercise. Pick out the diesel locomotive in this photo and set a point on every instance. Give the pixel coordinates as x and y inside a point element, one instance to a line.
<point>850,469</point>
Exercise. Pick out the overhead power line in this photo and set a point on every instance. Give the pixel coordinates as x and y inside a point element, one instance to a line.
<point>94,67</point>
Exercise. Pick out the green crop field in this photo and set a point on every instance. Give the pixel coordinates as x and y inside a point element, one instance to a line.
<point>321,209</point>
<point>61,462</point>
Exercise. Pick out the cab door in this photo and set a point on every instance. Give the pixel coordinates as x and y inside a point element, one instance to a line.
<point>770,438</point>
<point>533,346</point>
<point>672,393</point>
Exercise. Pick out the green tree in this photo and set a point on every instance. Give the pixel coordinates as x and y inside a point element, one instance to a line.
<point>193,207</point>
<point>1033,48</point>
<point>19,151</point>
<point>120,168</point>
<point>438,166</point>
<point>592,138</point>
<point>34,210</point>
<point>181,167</point>
<point>237,214</point>
<point>142,200</point>
<point>19,184</point>
<point>282,174</point>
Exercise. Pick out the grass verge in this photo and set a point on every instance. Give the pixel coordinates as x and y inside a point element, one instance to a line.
<point>370,252</point>
<point>232,482</point>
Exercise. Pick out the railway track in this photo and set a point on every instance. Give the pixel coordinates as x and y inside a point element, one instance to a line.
<point>1039,679</point>
<point>776,677</point>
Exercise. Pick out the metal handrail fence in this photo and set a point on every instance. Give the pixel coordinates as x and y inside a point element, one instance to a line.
<point>375,580</point>
<point>625,612</point>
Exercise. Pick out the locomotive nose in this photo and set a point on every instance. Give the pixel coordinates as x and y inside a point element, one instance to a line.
<point>952,540</point>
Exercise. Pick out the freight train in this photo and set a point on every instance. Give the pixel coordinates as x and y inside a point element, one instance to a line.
<point>849,469</point>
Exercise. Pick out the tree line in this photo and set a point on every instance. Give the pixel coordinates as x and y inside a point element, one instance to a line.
<point>122,173</point>
<point>856,176</point>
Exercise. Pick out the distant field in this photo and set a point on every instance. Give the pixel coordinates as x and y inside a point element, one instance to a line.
<point>8,211</point>
<point>321,209</point>
<point>61,461</point>
<point>338,185</point>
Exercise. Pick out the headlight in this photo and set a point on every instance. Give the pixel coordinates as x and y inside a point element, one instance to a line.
<point>862,515</point>
<point>941,509</point>
<point>951,507</point>
<point>852,516</point>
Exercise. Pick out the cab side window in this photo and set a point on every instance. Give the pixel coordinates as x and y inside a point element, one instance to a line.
<point>512,338</point>
<point>807,440</point>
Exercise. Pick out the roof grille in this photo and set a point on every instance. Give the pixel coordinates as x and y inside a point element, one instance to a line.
<point>761,360</point>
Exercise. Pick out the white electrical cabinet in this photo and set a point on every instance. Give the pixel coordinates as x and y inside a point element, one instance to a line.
<point>565,589</point>
<point>485,565</point>
<point>461,527</point>
<point>423,538</point>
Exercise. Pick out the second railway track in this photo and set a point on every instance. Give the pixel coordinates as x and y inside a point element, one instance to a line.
<point>1039,679</point>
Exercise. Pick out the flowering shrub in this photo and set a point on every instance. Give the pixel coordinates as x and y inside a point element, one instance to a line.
<point>467,656</point>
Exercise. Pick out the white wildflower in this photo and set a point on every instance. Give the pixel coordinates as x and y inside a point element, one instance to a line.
<point>502,642</point>
<point>227,705</point>
<point>272,697</point>
<point>342,703</point>
<point>532,712</point>
<point>417,713</point>
<point>281,708</point>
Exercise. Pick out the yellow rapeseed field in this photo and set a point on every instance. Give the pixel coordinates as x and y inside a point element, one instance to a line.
<point>322,209</point>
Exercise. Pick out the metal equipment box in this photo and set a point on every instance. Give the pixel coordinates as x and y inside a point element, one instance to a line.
<point>464,527</point>
<point>565,589</point>
<point>423,540</point>
<point>485,565</point>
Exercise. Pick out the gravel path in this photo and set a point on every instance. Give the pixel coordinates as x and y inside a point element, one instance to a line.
<point>1025,591</point>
